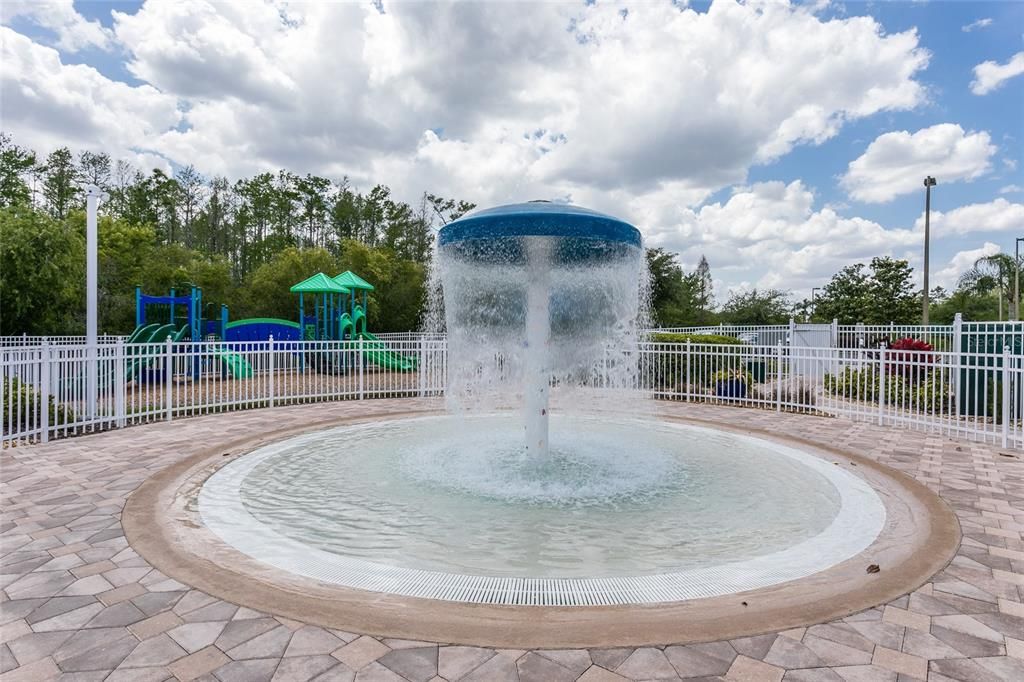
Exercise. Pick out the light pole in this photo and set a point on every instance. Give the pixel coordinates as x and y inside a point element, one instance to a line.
<point>1017,278</point>
<point>93,195</point>
<point>929,182</point>
<point>814,304</point>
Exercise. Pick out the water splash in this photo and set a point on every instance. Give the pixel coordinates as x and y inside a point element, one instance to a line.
<point>541,313</point>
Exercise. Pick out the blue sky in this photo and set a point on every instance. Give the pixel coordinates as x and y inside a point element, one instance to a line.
<point>782,141</point>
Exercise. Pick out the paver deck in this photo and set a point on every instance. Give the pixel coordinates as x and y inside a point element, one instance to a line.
<point>78,603</point>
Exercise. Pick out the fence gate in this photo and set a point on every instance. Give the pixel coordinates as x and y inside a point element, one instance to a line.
<point>804,337</point>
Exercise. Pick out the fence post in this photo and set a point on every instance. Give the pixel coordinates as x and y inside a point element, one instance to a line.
<point>861,335</point>
<point>881,384</point>
<point>1006,394</point>
<point>270,371</point>
<point>958,328</point>
<point>835,333</point>
<point>359,347</point>
<point>778,375</point>
<point>686,370</point>
<point>120,385</point>
<point>421,368</point>
<point>168,378</point>
<point>44,393</point>
<point>792,331</point>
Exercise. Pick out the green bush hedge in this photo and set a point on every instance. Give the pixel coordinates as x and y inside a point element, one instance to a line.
<point>669,370</point>
<point>696,338</point>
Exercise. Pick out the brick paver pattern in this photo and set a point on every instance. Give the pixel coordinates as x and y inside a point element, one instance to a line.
<point>79,604</point>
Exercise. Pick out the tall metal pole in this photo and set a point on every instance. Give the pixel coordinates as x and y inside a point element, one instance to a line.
<point>93,195</point>
<point>814,303</point>
<point>929,182</point>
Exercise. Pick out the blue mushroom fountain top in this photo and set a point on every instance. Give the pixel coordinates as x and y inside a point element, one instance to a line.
<point>496,234</point>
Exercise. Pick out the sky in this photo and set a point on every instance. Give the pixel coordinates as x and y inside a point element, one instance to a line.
<point>781,140</point>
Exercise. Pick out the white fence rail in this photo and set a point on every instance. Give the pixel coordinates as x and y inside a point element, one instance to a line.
<point>49,391</point>
<point>27,340</point>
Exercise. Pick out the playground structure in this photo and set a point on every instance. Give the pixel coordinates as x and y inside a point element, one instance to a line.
<point>335,315</point>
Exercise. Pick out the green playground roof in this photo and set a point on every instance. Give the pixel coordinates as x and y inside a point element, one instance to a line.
<point>319,284</point>
<point>353,281</point>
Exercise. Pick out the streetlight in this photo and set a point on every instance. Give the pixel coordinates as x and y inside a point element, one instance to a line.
<point>929,182</point>
<point>1016,281</point>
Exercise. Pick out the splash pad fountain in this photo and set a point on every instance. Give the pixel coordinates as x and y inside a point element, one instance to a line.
<point>550,489</point>
<point>536,293</point>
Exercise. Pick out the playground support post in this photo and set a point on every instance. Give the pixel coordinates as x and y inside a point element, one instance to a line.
<point>93,195</point>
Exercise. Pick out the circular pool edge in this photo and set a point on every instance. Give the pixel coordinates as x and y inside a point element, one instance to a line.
<point>920,536</point>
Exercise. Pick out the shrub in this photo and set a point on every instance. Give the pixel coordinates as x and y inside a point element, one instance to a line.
<point>669,369</point>
<point>17,392</point>
<point>931,395</point>
<point>794,391</point>
<point>910,357</point>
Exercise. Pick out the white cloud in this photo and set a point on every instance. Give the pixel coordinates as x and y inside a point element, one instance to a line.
<point>771,231</point>
<point>47,103</point>
<point>975,25</point>
<point>665,104</point>
<point>1011,189</point>
<point>998,215</point>
<point>772,234</point>
<point>73,31</point>
<point>960,263</point>
<point>990,75</point>
<point>896,163</point>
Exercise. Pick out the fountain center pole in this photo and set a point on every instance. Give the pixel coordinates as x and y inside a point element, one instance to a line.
<point>536,375</point>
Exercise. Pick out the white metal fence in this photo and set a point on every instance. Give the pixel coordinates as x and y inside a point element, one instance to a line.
<point>54,391</point>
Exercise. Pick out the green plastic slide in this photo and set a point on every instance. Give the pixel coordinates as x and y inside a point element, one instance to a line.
<point>377,352</point>
<point>236,365</point>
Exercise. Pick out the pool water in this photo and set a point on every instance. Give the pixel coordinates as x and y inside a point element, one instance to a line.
<point>615,498</point>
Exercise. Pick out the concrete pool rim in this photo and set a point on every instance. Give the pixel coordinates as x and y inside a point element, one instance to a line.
<point>921,535</point>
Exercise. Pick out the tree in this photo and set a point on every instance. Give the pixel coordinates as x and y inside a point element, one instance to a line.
<point>705,298</point>
<point>160,231</point>
<point>448,210</point>
<point>94,169</point>
<point>15,163</point>
<point>880,294</point>
<point>994,273</point>
<point>767,306</point>
<point>267,288</point>
<point>42,274</point>
<point>190,188</point>
<point>891,292</point>
<point>314,194</point>
<point>60,183</point>
<point>674,297</point>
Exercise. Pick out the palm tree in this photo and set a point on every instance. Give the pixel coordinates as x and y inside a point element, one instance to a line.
<point>990,273</point>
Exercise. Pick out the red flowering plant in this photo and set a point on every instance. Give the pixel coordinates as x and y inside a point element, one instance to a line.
<point>910,357</point>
